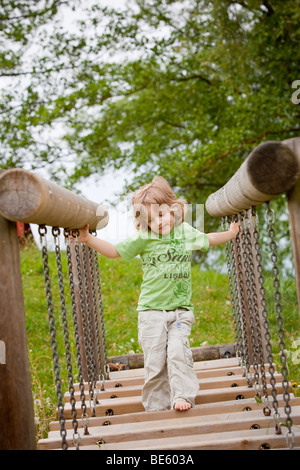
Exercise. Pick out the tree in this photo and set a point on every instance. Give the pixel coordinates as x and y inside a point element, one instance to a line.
<point>44,50</point>
<point>209,81</point>
<point>180,88</point>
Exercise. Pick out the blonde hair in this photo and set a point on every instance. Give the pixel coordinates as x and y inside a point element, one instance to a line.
<point>157,192</point>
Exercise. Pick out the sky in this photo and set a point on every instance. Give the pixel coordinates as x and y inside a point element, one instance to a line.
<point>105,190</point>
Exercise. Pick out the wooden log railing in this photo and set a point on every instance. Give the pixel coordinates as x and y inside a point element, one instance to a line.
<point>27,197</point>
<point>272,169</point>
<point>269,171</point>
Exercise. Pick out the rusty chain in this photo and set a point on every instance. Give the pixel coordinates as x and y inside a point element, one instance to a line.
<point>55,356</point>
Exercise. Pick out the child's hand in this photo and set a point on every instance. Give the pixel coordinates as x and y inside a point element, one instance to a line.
<point>234,229</point>
<point>83,235</point>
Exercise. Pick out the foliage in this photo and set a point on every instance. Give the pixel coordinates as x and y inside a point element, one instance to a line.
<point>213,81</point>
<point>180,88</point>
<point>45,51</point>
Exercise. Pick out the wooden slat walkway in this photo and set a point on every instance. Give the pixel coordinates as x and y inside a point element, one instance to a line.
<point>226,416</point>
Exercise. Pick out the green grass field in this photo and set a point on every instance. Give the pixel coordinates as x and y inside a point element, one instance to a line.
<point>120,291</point>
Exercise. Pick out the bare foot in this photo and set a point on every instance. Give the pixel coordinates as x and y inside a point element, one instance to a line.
<point>182,405</point>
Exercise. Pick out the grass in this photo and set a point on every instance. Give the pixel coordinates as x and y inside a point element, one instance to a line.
<point>120,291</point>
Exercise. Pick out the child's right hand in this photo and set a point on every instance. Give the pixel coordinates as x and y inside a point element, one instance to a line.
<point>83,235</point>
<point>234,229</point>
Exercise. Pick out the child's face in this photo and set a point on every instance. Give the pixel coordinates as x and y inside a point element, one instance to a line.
<point>160,218</point>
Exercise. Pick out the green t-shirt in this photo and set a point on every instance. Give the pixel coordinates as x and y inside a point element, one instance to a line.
<point>166,265</point>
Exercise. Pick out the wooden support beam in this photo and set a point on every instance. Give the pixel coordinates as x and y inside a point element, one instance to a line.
<point>29,198</point>
<point>16,402</point>
<point>200,353</point>
<point>294,214</point>
<point>270,170</point>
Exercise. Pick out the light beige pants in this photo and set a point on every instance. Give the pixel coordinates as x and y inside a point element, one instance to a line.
<point>168,362</point>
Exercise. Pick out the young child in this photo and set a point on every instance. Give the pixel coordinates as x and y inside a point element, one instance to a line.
<point>165,313</point>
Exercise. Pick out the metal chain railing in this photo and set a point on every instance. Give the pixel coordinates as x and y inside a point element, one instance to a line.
<point>279,320</point>
<point>55,355</point>
<point>88,330</point>
<point>101,317</point>
<point>242,304</point>
<point>84,416</point>
<point>264,314</point>
<point>250,315</point>
<point>88,305</point>
<point>76,435</point>
<point>232,277</point>
<point>252,300</point>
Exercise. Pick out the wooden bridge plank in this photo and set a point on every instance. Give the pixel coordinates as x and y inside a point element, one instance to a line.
<point>124,379</point>
<point>201,365</point>
<point>232,440</point>
<point>133,404</point>
<point>229,406</point>
<point>164,428</point>
<point>253,442</point>
<point>204,383</point>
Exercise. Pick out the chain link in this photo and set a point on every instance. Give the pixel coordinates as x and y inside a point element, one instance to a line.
<point>264,314</point>
<point>56,234</point>
<point>242,302</point>
<point>246,282</point>
<point>270,216</point>
<point>84,416</point>
<point>232,277</point>
<point>255,326</point>
<point>102,327</point>
<point>90,337</point>
<point>58,384</point>
<point>89,288</point>
<point>86,336</point>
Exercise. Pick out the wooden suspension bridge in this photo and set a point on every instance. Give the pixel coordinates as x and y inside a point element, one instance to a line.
<point>227,415</point>
<point>244,402</point>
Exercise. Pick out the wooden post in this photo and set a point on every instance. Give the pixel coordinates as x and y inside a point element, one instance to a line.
<point>294,214</point>
<point>16,403</point>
